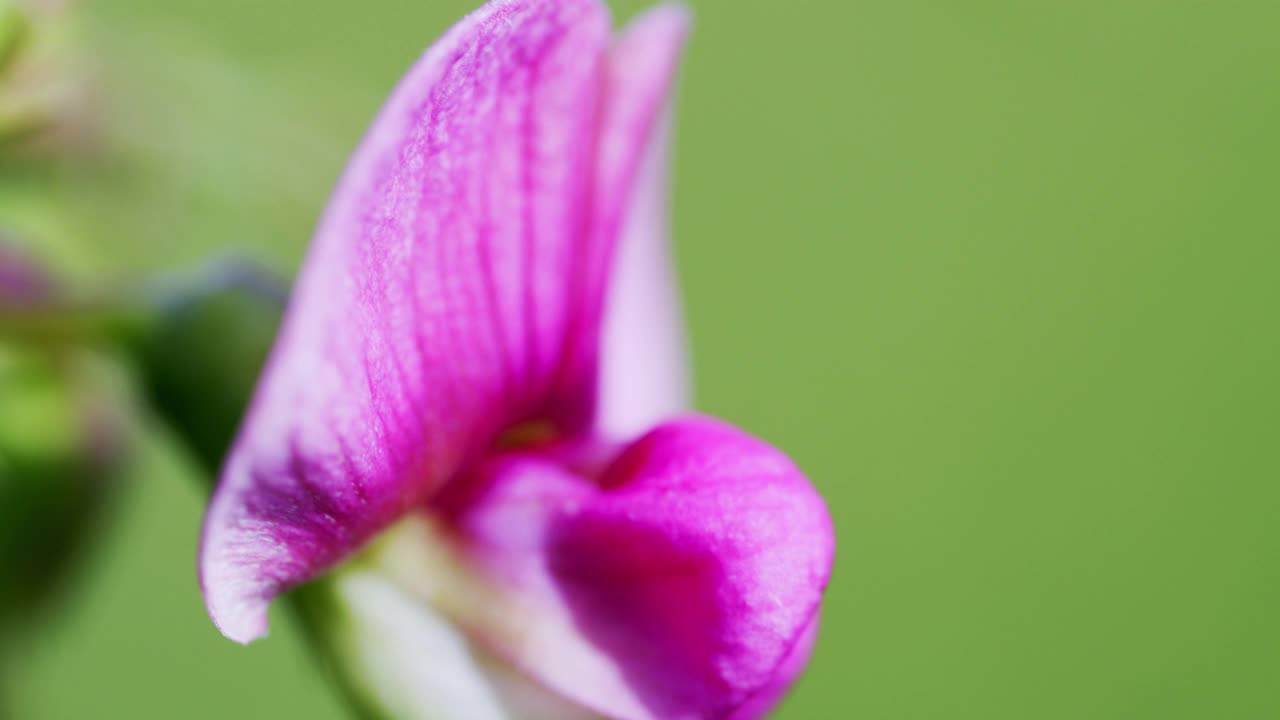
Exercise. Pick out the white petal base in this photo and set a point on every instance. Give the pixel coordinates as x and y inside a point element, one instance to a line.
<point>406,661</point>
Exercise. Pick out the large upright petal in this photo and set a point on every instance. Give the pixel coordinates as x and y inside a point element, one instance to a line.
<point>434,307</point>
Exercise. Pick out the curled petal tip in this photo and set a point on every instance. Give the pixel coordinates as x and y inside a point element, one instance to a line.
<point>244,623</point>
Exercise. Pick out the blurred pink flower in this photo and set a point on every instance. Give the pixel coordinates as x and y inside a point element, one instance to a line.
<point>481,338</point>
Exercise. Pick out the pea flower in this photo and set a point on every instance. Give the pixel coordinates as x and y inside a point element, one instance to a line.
<point>477,401</point>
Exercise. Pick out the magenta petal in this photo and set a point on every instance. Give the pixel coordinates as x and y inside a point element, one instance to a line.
<point>434,306</point>
<point>768,697</point>
<point>690,577</point>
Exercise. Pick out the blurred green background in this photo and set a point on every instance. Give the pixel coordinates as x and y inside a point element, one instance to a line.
<point>1003,277</point>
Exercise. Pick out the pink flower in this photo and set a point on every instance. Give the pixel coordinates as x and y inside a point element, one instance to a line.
<point>483,349</point>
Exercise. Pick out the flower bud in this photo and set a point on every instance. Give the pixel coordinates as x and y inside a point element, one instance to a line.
<point>203,347</point>
<point>62,437</point>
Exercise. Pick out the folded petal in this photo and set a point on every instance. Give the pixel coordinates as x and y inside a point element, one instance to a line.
<point>433,309</point>
<point>682,583</point>
<point>702,566</point>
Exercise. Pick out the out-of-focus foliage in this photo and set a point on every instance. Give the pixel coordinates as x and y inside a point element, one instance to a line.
<point>46,91</point>
<point>61,448</point>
